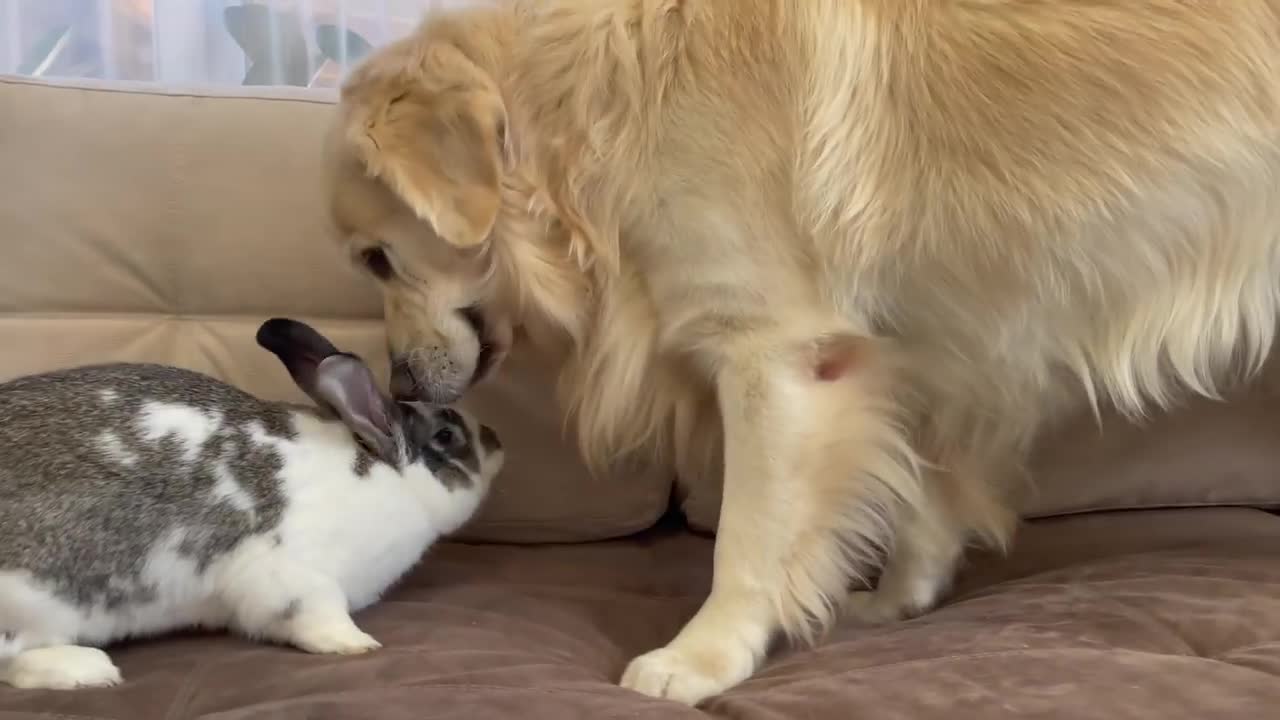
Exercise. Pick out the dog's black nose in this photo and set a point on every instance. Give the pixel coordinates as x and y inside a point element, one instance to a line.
<point>404,386</point>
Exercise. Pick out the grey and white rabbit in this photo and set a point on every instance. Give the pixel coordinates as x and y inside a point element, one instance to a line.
<point>137,499</point>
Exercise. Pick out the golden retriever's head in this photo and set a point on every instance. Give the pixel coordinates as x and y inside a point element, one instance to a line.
<point>415,163</point>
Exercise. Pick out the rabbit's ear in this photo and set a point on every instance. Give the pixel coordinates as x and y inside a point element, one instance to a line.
<point>347,386</point>
<point>337,381</point>
<point>299,347</point>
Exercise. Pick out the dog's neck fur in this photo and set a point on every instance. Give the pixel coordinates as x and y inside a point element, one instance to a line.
<point>557,248</point>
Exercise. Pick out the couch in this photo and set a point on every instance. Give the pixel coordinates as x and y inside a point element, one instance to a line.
<point>164,225</point>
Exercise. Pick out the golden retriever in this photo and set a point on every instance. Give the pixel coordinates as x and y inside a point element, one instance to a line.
<point>847,255</point>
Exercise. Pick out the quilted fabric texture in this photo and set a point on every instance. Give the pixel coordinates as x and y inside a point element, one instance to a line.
<point>166,227</point>
<point>1167,614</point>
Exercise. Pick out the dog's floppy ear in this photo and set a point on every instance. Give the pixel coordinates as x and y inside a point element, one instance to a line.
<point>434,130</point>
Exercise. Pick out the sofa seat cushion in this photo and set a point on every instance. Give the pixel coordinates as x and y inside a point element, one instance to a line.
<point>1165,614</point>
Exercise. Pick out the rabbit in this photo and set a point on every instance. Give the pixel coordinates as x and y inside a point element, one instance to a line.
<point>137,499</point>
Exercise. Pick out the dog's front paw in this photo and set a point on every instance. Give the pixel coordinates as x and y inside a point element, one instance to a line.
<point>869,607</point>
<point>689,675</point>
<point>876,607</point>
<point>332,637</point>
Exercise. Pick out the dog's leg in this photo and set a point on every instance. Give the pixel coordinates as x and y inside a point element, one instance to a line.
<point>961,504</point>
<point>813,467</point>
<point>927,549</point>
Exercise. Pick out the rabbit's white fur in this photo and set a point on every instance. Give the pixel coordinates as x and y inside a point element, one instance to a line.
<point>343,540</point>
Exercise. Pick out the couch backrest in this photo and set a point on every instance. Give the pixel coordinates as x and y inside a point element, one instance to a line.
<point>165,226</point>
<point>137,224</point>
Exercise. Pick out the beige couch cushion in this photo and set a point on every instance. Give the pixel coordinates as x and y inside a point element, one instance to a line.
<point>1202,453</point>
<point>138,225</point>
<point>164,226</point>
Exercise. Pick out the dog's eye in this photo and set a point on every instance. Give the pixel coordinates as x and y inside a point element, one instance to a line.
<point>375,259</point>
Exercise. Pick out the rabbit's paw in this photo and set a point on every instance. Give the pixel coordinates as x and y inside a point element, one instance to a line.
<point>62,667</point>
<point>332,636</point>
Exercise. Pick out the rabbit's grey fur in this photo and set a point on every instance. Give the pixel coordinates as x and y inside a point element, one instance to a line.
<point>80,535</point>
<point>138,498</point>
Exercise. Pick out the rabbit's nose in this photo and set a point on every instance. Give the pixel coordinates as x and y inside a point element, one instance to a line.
<point>489,439</point>
<point>404,386</point>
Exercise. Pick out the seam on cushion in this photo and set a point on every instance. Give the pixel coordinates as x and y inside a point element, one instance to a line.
<point>540,664</point>
<point>310,96</point>
<point>1264,504</point>
<point>580,533</point>
<point>868,669</point>
<point>1275,643</point>
<point>527,524</point>
<point>532,660</point>
<point>1035,581</point>
<point>522,524</point>
<point>609,689</point>
<point>577,519</point>
<point>517,524</point>
<point>41,714</point>
<point>589,591</point>
<point>1027,582</point>
<point>524,622</point>
<point>1148,620</point>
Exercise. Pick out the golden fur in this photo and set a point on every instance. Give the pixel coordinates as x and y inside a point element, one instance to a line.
<point>849,255</point>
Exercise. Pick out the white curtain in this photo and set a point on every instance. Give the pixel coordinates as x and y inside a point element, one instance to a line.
<point>303,43</point>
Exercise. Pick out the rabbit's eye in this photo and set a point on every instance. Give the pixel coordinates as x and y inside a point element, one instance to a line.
<point>446,438</point>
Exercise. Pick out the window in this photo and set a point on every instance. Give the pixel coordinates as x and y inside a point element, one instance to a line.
<point>303,43</point>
